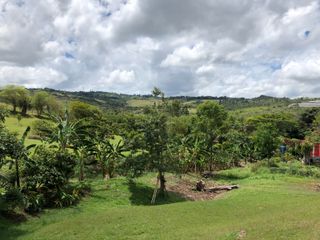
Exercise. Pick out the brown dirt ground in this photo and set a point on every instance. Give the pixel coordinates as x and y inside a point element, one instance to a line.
<point>186,188</point>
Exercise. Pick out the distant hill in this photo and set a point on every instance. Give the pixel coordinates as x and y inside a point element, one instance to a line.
<point>108,100</point>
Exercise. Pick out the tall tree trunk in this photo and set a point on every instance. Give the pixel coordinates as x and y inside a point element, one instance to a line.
<point>81,172</point>
<point>17,173</point>
<point>162,189</point>
<point>103,169</point>
<point>110,168</point>
<point>24,109</point>
<point>14,108</point>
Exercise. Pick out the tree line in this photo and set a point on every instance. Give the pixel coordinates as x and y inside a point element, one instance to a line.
<point>20,97</point>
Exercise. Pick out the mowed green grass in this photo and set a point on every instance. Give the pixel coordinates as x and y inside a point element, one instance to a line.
<point>14,125</point>
<point>265,207</point>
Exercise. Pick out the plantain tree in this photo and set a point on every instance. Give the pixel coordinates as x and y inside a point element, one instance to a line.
<point>109,153</point>
<point>64,132</point>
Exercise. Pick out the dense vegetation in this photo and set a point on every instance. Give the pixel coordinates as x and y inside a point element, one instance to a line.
<point>75,141</point>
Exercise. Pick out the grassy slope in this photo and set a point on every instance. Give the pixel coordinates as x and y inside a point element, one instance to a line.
<point>13,125</point>
<point>265,207</point>
<point>141,102</point>
<point>253,111</point>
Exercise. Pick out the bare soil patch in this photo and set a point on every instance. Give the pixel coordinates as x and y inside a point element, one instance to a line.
<point>187,189</point>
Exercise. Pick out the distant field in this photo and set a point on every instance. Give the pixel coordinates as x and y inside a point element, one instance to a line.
<point>14,125</point>
<point>267,206</point>
<point>192,105</point>
<point>142,102</point>
<point>253,111</point>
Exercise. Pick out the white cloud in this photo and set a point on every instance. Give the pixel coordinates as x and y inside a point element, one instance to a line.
<point>233,48</point>
<point>30,76</point>
<point>121,76</point>
<point>294,14</point>
<point>305,70</point>
<point>184,56</point>
<point>205,69</point>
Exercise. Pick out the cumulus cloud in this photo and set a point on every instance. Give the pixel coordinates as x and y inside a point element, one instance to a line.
<point>234,48</point>
<point>32,77</point>
<point>185,56</point>
<point>205,69</point>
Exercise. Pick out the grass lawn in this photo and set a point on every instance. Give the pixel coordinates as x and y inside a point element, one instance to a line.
<point>267,206</point>
<point>14,125</point>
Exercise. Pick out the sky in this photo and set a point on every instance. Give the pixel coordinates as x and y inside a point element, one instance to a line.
<point>235,48</point>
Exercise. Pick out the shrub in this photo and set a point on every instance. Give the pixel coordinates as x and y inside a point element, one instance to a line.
<point>46,179</point>
<point>11,199</point>
<point>274,161</point>
<point>41,129</point>
<point>34,202</point>
<point>256,166</point>
<point>295,168</point>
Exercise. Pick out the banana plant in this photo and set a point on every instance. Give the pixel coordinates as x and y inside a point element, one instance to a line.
<point>108,155</point>
<point>115,154</point>
<point>82,149</point>
<point>65,131</point>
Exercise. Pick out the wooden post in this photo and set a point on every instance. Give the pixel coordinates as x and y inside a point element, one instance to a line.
<point>155,192</point>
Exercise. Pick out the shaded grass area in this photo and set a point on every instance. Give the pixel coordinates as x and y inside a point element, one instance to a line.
<point>267,206</point>
<point>142,195</point>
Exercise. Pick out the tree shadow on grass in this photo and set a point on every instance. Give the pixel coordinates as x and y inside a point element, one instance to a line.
<point>9,229</point>
<point>142,195</point>
<point>229,176</point>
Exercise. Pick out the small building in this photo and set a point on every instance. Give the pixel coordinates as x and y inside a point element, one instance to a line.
<point>314,156</point>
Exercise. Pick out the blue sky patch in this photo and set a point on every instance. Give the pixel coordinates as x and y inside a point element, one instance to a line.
<point>68,55</point>
<point>106,14</point>
<point>275,66</point>
<point>20,3</point>
<point>307,33</point>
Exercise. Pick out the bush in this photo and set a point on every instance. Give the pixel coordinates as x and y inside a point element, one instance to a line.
<point>34,202</point>
<point>274,161</point>
<point>46,180</point>
<point>11,199</point>
<point>295,168</point>
<point>41,128</point>
<point>256,166</point>
<point>82,188</point>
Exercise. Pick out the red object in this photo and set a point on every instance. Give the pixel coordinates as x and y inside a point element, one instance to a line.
<point>315,153</point>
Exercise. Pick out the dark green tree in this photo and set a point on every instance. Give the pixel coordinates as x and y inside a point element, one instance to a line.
<point>211,123</point>
<point>266,141</point>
